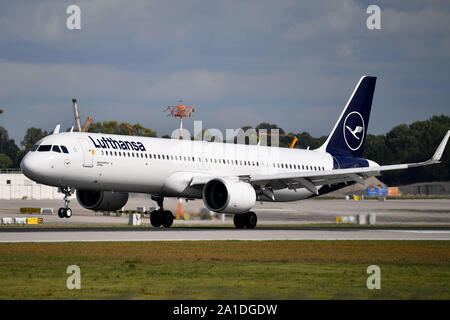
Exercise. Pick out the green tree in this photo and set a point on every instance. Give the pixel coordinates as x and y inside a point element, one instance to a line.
<point>305,140</point>
<point>108,127</point>
<point>8,147</point>
<point>417,142</point>
<point>113,127</point>
<point>375,149</point>
<point>5,161</point>
<point>32,136</point>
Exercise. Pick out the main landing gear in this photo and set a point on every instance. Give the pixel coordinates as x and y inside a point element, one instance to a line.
<point>161,217</point>
<point>65,212</point>
<point>245,220</point>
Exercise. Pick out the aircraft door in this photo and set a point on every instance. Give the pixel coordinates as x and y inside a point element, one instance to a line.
<point>88,157</point>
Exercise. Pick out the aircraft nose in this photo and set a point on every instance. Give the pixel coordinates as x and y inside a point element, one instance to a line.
<point>29,167</point>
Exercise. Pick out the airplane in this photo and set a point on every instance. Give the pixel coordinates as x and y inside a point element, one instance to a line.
<point>230,178</point>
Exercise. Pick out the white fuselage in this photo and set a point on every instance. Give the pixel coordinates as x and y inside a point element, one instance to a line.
<point>159,166</point>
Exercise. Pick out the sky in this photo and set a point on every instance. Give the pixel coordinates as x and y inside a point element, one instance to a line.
<point>291,63</point>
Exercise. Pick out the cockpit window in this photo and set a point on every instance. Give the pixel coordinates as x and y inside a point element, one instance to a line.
<point>56,149</point>
<point>44,147</point>
<point>64,149</point>
<point>35,147</point>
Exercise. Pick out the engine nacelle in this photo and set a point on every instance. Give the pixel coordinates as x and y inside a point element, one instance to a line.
<point>102,200</point>
<point>220,195</point>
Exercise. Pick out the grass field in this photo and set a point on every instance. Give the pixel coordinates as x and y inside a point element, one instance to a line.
<point>226,270</point>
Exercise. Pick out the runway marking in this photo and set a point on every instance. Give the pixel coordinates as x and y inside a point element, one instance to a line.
<point>274,209</point>
<point>8,211</point>
<point>418,231</point>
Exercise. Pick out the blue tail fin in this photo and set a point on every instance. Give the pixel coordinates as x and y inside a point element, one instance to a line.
<point>349,133</point>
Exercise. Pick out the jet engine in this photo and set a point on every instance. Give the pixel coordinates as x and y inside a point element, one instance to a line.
<point>220,195</point>
<point>102,200</point>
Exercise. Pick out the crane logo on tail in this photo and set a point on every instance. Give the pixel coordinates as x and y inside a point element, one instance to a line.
<point>358,129</point>
<point>354,130</point>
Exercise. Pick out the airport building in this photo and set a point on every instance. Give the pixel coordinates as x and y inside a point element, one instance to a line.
<point>14,185</point>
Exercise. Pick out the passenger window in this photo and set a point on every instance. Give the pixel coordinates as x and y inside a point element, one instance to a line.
<point>44,148</point>
<point>115,153</point>
<point>56,149</point>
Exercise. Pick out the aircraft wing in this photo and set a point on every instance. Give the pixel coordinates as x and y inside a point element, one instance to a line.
<point>311,179</point>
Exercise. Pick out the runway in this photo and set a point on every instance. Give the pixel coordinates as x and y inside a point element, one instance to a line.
<point>275,222</point>
<point>203,234</point>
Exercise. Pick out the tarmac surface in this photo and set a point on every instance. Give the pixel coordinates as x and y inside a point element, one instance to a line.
<point>276,221</point>
<point>199,234</point>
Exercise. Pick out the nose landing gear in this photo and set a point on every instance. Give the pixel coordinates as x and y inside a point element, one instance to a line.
<point>160,216</point>
<point>65,212</point>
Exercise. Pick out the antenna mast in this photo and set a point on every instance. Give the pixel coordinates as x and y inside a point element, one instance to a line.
<point>180,111</point>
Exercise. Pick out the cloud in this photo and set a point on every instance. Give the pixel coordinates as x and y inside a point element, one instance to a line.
<point>287,62</point>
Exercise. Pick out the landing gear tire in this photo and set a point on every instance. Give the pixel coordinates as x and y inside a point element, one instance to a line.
<point>239,220</point>
<point>156,218</point>
<point>245,220</point>
<point>61,213</point>
<point>161,217</point>
<point>251,220</point>
<point>68,213</point>
<point>166,218</point>
<point>64,212</point>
